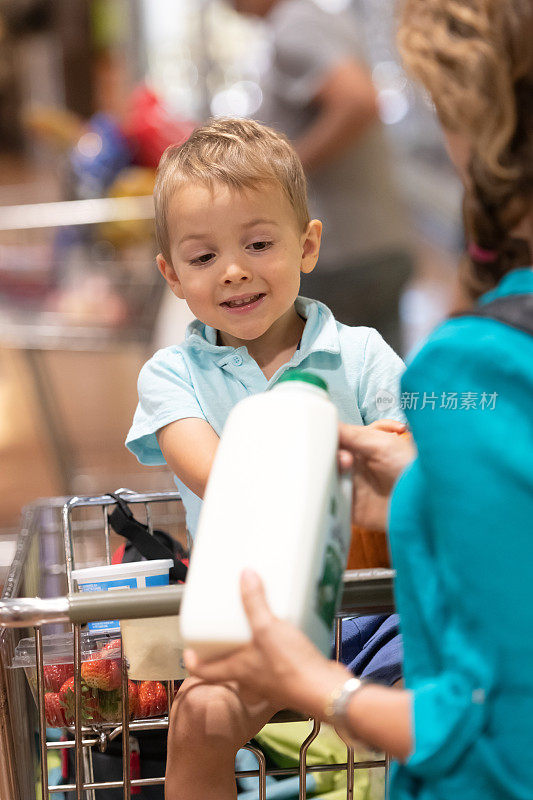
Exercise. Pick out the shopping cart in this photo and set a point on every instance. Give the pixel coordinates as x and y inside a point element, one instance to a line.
<point>66,288</point>
<point>57,536</point>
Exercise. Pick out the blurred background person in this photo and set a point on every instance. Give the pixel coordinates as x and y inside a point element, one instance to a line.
<point>320,93</point>
<point>90,94</point>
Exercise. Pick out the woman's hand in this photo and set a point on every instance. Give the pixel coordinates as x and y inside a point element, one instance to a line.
<point>378,455</point>
<point>282,666</point>
<point>280,663</point>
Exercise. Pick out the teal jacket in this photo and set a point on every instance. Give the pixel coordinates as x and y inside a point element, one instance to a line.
<point>461,532</point>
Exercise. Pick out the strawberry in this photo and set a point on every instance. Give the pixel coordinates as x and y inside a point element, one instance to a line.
<point>133,698</point>
<point>90,712</point>
<point>102,673</point>
<point>55,676</point>
<point>110,703</point>
<point>152,699</point>
<point>111,647</point>
<point>55,716</point>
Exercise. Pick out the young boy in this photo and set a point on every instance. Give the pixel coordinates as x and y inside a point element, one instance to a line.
<point>235,235</point>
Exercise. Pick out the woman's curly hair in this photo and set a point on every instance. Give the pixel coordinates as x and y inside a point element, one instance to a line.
<point>475,57</point>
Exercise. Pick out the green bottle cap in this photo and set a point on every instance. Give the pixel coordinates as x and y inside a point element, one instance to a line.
<point>305,377</point>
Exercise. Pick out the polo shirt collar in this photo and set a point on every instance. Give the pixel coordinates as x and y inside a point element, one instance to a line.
<point>320,334</point>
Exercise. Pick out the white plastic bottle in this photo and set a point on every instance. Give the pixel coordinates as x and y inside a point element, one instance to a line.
<point>274,502</point>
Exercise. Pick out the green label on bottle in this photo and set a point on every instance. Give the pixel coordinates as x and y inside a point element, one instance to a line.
<point>327,595</point>
<point>330,581</point>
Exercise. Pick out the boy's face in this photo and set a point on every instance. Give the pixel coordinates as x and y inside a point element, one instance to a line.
<point>237,256</point>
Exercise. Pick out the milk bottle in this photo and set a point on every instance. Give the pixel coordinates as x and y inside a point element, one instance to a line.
<point>274,502</point>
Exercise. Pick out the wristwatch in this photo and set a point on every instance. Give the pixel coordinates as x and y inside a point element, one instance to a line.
<point>337,704</point>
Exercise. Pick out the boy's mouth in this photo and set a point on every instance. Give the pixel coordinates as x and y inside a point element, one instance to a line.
<point>244,301</point>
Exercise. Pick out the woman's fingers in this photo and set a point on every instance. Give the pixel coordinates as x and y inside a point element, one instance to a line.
<point>239,664</point>
<point>254,600</point>
<point>220,670</point>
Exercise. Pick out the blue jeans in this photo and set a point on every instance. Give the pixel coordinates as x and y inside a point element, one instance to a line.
<point>372,647</point>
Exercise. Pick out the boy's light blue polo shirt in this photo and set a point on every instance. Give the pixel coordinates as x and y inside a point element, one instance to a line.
<point>204,380</point>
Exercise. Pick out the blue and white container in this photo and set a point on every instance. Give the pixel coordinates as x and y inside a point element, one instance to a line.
<point>134,575</point>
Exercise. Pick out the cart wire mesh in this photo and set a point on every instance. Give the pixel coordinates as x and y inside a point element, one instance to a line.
<point>59,535</point>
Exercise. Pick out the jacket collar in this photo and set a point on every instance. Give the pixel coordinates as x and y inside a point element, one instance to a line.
<point>518,281</point>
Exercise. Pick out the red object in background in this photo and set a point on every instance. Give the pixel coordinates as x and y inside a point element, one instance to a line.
<point>150,129</point>
<point>118,555</point>
<point>135,764</point>
<point>64,761</point>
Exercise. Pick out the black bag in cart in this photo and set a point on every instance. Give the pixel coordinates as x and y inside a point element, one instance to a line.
<point>140,543</point>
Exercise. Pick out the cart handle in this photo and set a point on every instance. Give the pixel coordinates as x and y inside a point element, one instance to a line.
<point>82,607</point>
<point>364,591</point>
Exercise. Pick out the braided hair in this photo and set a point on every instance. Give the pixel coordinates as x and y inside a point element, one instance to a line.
<point>475,57</point>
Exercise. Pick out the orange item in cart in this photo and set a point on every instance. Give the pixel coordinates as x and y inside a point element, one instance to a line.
<point>368,549</point>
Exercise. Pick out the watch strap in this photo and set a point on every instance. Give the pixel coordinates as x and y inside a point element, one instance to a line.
<point>340,698</point>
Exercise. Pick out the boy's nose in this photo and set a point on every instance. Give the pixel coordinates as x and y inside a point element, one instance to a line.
<point>235,272</point>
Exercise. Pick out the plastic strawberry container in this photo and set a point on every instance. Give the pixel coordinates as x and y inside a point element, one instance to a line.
<point>101,680</point>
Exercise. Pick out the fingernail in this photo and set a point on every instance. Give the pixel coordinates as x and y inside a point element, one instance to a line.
<point>250,578</point>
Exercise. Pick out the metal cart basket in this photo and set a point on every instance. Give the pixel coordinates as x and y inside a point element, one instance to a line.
<point>58,535</point>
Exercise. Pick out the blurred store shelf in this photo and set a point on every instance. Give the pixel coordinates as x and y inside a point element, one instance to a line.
<point>77,317</point>
<point>75,212</point>
<point>26,182</point>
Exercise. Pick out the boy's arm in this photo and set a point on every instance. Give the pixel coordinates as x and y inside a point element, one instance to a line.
<point>169,426</point>
<point>189,447</point>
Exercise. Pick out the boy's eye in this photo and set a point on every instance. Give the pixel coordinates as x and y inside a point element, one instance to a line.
<point>203,259</point>
<point>258,246</point>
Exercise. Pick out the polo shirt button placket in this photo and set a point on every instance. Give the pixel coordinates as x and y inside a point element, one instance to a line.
<point>237,360</point>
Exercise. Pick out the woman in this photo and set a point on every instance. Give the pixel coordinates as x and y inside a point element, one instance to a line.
<point>461,514</point>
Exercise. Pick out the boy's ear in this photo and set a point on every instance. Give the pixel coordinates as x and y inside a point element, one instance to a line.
<point>170,275</point>
<point>311,246</point>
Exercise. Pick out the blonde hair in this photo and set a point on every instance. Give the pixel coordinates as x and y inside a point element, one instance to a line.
<point>238,153</point>
<point>475,57</point>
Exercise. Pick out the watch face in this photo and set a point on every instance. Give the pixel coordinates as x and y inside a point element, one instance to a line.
<point>346,693</point>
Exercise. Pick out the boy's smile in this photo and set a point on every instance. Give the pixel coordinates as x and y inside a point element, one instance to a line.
<point>242,303</point>
<point>237,255</point>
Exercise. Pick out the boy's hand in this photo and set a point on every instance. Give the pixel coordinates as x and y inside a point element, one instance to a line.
<point>378,455</point>
<point>389,425</point>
